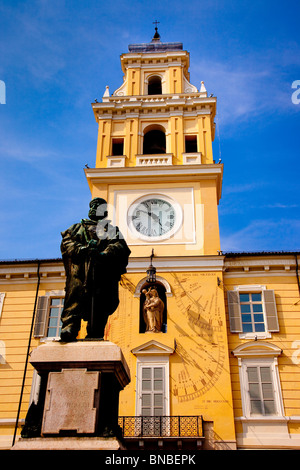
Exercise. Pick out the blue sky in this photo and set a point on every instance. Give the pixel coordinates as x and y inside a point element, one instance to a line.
<point>57,56</point>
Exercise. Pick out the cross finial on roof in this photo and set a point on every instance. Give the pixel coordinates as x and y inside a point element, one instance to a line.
<point>156,35</point>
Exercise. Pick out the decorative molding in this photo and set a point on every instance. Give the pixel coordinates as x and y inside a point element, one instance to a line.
<point>148,174</point>
<point>115,161</point>
<point>160,279</point>
<point>192,158</point>
<point>154,160</point>
<point>152,348</point>
<point>257,349</point>
<point>121,90</point>
<point>188,87</point>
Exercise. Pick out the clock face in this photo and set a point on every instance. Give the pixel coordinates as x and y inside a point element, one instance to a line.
<point>153,217</point>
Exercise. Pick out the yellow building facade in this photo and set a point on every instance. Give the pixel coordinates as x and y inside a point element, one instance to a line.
<point>222,372</point>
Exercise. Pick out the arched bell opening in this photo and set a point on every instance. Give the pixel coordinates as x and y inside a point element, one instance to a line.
<point>154,85</point>
<point>154,142</point>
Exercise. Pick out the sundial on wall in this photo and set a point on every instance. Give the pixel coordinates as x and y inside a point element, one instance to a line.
<point>200,340</point>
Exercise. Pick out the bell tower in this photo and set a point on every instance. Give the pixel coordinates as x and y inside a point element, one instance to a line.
<point>154,160</point>
<point>155,168</point>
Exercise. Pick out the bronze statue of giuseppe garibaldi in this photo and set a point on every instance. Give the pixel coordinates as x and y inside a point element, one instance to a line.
<point>95,255</point>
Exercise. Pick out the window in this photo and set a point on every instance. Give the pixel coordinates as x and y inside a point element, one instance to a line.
<point>117,147</point>
<point>154,86</point>
<point>152,379</point>
<point>48,313</point>
<point>252,311</point>
<point>259,379</point>
<point>152,388</point>
<point>152,397</point>
<point>263,419</point>
<point>260,388</point>
<point>191,143</point>
<point>54,321</point>
<point>152,404</point>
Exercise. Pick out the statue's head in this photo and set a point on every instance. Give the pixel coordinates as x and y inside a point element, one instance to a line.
<point>153,292</point>
<point>98,209</point>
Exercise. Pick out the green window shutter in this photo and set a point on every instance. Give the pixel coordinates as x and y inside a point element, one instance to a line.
<point>235,320</point>
<point>41,316</point>
<point>270,310</point>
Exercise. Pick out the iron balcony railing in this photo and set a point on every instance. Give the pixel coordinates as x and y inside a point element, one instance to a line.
<point>161,426</point>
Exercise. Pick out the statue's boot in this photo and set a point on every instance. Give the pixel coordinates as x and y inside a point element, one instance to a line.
<point>68,334</point>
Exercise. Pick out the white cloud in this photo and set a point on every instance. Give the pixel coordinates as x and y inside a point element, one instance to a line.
<point>242,188</point>
<point>250,85</point>
<point>279,205</point>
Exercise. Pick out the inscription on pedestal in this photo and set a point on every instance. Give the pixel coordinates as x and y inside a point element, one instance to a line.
<point>70,402</point>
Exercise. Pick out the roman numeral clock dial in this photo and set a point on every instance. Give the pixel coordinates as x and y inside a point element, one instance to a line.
<point>153,218</point>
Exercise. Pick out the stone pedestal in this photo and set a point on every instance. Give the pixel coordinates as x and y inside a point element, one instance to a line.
<point>79,397</point>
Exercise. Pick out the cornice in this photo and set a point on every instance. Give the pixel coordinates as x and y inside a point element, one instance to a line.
<point>163,264</point>
<point>13,273</point>
<point>260,264</point>
<point>212,170</point>
<point>27,272</point>
<point>145,174</point>
<point>143,58</point>
<point>52,270</point>
<point>185,103</point>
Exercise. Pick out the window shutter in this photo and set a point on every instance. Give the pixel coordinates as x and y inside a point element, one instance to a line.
<point>270,310</point>
<point>41,316</point>
<point>235,320</point>
<point>2,295</point>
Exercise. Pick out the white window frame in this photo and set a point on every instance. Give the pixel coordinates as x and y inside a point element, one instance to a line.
<point>254,289</point>
<point>272,363</point>
<point>2,352</point>
<point>2,296</point>
<point>263,354</point>
<point>52,295</point>
<point>154,354</point>
<point>158,361</point>
<point>258,429</point>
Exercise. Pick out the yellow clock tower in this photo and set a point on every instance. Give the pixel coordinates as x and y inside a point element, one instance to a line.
<point>155,168</point>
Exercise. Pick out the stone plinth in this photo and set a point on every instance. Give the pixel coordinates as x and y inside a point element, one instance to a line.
<point>70,402</point>
<point>69,443</point>
<point>79,396</point>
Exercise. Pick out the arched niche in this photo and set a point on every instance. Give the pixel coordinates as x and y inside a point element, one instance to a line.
<point>164,290</point>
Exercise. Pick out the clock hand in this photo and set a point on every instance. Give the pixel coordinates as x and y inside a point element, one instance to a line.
<point>155,217</point>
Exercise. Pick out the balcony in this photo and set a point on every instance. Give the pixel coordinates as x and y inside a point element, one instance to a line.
<point>154,160</point>
<point>172,432</point>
